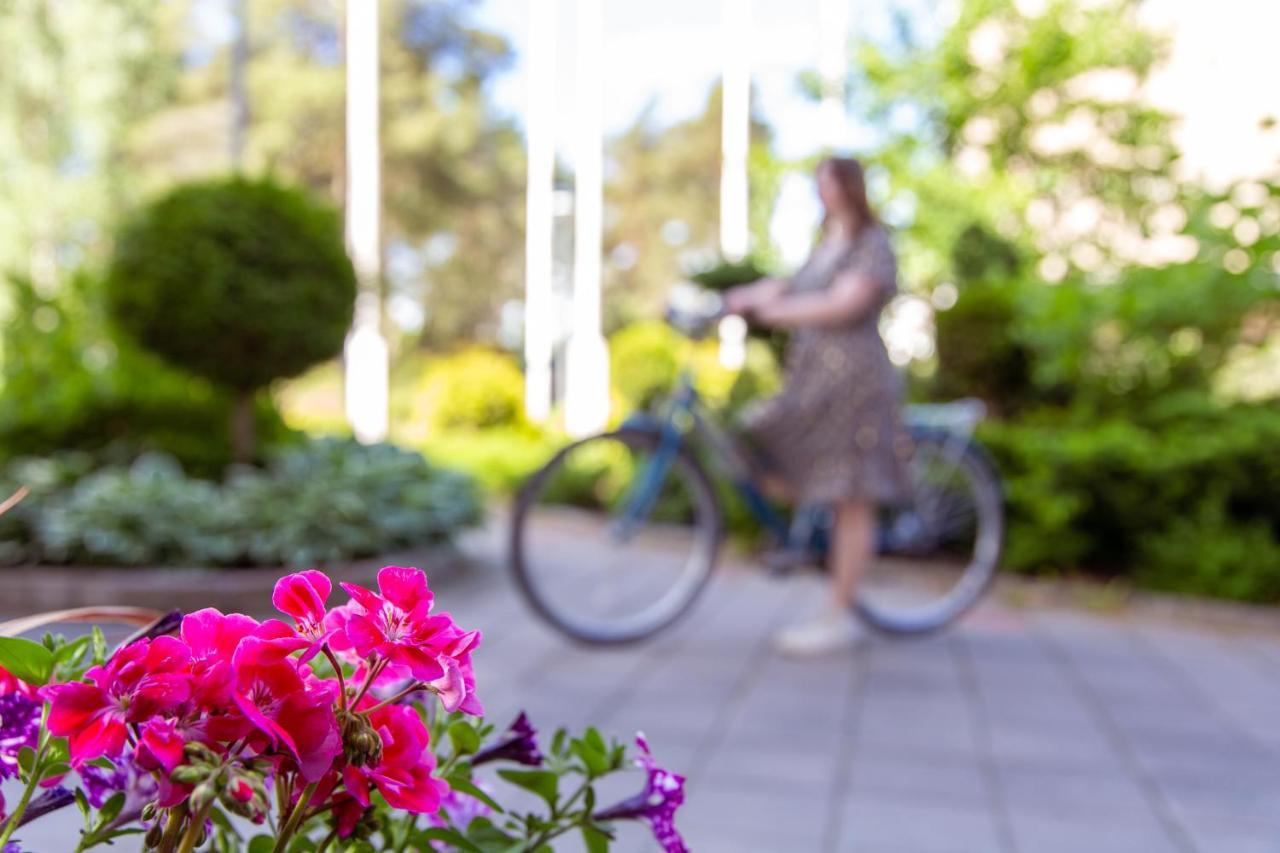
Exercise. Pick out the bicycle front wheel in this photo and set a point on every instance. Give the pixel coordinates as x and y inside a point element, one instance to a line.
<point>939,553</point>
<point>615,537</point>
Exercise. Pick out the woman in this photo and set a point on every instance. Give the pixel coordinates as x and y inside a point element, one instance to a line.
<point>833,433</point>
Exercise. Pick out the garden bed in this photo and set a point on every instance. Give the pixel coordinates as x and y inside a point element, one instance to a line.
<point>36,589</point>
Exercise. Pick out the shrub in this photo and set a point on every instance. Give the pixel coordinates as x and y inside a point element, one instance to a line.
<point>330,499</point>
<point>645,360</point>
<point>1129,497</point>
<point>241,282</point>
<point>70,384</point>
<point>476,389</point>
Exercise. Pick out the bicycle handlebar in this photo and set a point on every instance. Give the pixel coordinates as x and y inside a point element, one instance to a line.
<point>694,311</point>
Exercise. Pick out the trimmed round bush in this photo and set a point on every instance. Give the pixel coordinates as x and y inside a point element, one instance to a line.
<point>240,281</point>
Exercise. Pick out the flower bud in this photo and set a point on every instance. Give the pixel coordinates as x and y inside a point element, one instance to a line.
<point>202,796</point>
<point>153,836</point>
<point>361,743</point>
<point>188,774</point>
<point>149,812</point>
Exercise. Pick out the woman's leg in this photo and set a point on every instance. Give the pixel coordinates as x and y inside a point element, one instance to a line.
<point>835,628</point>
<point>852,550</point>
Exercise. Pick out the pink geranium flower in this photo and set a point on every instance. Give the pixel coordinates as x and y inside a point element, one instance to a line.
<point>212,638</point>
<point>141,680</point>
<point>160,746</point>
<point>303,595</point>
<point>395,623</point>
<point>287,707</point>
<point>403,775</point>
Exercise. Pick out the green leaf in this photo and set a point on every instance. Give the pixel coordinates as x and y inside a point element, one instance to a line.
<point>541,782</point>
<point>69,655</point>
<point>595,759</point>
<point>110,809</point>
<point>82,803</point>
<point>465,739</point>
<point>302,844</point>
<point>465,786</point>
<point>261,844</point>
<point>57,752</point>
<point>99,645</point>
<point>26,759</point>
<point>28,661</point>
<point>449,836</point>
<point>595,840</point>
<point>482,831</point>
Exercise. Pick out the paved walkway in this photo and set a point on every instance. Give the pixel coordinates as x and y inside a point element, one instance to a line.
<point>1026,732</point>
<point>1018,732</point>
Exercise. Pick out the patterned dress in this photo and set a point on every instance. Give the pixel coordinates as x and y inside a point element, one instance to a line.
<point>834,431</point>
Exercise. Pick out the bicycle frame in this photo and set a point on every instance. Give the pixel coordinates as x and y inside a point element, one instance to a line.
<point>687,420</point>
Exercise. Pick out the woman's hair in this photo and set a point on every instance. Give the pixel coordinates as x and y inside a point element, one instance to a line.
<point>853,184</point>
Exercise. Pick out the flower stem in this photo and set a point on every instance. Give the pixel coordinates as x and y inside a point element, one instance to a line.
<point>412,688</point>
<point>12,823</point>
<point>337,668</point>
<point>194,830</point>
<point>295,818</point>
<point>169,840</point>
<point>33,779</point>
<point>328,839</point>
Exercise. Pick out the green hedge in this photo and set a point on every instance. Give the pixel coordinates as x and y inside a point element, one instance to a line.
<point>327,500</point>
<point>1184,500</point>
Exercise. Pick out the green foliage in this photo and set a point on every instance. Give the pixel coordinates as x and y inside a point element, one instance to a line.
<point>324,501</point>
<point>663,206</point>
<point>239,281</point>
<point>476,389</point>
<point>70,383</point>
<point>727,274</point>
<point>646,359</point>
<point>1171,500</point>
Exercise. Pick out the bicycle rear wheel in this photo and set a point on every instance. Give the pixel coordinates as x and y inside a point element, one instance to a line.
<point>939,553</point>
<point>615,537</point>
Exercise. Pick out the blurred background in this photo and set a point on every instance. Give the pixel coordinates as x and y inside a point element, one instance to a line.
<point>1084,194</point>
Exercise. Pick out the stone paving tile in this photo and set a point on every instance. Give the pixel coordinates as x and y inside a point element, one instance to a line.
<point>926,828</point>
<point>1134,833</point>
<point>913,780</point>
<point>1081,793</point>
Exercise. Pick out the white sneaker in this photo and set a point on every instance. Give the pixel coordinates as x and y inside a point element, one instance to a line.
<point>834,631</point>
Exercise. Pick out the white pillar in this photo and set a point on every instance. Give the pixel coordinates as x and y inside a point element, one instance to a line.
<point>366,349</point>
<point>587,356</point>
<point>833,67</point>
<point>539,209</point>
<point>239,84</point>
<point>735,137</point>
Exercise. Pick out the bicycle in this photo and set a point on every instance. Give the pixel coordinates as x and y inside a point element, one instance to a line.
<point>617,535</point>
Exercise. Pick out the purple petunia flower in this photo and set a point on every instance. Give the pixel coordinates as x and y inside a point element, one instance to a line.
<point>519,744</point>
<point>663,793</point>
<point>101,783</point>
<point>19,727</point>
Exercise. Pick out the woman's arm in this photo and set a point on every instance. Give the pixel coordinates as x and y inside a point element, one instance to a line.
<point>851,296</point>
<point>748,297</point>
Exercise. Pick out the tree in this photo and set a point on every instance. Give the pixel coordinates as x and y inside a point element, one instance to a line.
<point>242,282</point>
<point>662,205</point>
<point>73,76</point>
<point>452,168</point>
<point>1032,125</point>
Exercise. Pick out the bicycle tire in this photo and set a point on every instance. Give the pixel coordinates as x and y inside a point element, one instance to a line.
<point>981,571</point>
<point>709,537</point>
